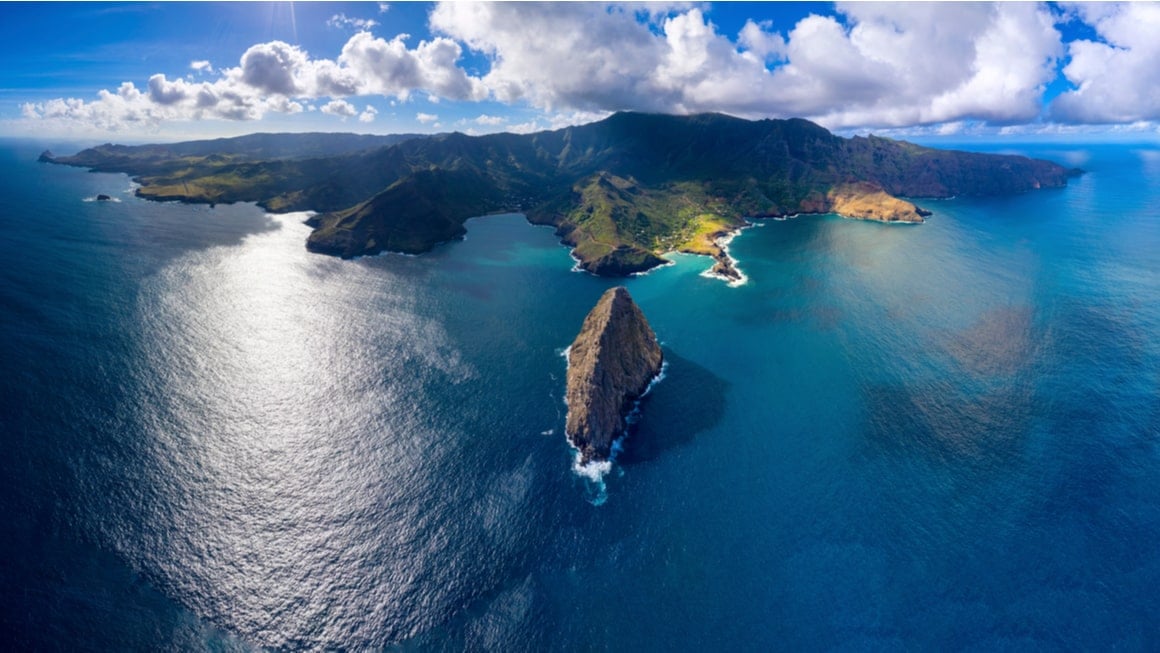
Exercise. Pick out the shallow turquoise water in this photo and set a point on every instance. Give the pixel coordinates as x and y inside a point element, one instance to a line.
<point>934,436</point>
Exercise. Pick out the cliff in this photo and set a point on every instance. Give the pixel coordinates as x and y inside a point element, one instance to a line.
<point>866,201</point>
<point>610,365</point>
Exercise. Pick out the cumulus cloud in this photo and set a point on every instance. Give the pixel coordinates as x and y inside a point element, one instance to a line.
<point>383,67</point>
<point>341,21</point>
<point>1115,79</point>
<point>368,114</point>
<point>340,108</point>
<point>871,65</point>
<point>275,77</point>
<point>759,40</point>
<point>426,118</point>
<point>944,62</point>
<point>275,68</point>
<point>885,64</point>
<point>538,55</point>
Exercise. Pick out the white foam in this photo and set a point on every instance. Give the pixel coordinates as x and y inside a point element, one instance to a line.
<point>593,472</point>
<point>723,242</point>
<point>729,281</point>
<point>94,199</point>
<point>649,271</point>
<point>655,380</point>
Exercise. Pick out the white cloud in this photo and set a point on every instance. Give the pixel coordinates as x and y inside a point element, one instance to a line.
<point>942,62</point>
<point>368,114</point>
<point>537,53</point>
<point>389,68</point>
<point>275,68</point>
<point>528,127</point>
<point>557,121</point>
<point>339,108</point>
<point>341,21</point>
<point>272,77</point>
<point>384,7</point>
<point>426,118</point>
<point>764,44</point>
<point>873,65</point>
<point>887,64</point>
<point>1116,80</point>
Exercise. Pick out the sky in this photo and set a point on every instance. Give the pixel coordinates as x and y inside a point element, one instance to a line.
<point>169,71</point>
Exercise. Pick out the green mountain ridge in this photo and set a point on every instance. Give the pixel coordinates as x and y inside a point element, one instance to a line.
<point>621,192</point>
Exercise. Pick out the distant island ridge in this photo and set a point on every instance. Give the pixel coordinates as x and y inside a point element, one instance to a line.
<point>621,192</point>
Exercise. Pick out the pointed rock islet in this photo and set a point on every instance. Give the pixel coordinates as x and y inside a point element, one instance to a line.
<point>610,365</point>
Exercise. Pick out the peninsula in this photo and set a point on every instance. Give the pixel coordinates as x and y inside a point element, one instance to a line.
<point>621,192</point>
<point>610,365</point>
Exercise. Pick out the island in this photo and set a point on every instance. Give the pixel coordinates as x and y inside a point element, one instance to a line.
<point>610,365</point>
<point>103,198</point>
<point>621,193</point>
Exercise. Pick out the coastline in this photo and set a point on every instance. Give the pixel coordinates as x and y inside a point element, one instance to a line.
<point>725,267</point>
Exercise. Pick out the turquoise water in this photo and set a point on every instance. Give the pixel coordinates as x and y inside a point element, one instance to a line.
<point>938,437</point>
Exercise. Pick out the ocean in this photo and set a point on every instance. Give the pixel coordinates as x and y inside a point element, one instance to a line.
<point>933,437</point>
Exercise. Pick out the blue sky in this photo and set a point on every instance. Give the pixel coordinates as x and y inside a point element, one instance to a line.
<point>160,71</point>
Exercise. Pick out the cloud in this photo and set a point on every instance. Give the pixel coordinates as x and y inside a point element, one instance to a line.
<point>934,63</point>
<point>273,77</point>
<point>426,118</point>
<point>1117,78</point>
<point>368,114</point>
<point>340,108</point>
<point>866,66</point>
<point>763,44</point>
<point>165,92</point>
<point>884,64</point>
<point>341,21</point>
<point>538,55</point>
<point>385,67</point>
<point>274,68</point>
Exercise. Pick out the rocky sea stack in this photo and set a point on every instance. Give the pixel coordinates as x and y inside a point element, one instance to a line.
<point>610,365</point>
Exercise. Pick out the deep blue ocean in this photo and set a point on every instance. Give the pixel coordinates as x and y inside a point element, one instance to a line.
<point>932,437</point>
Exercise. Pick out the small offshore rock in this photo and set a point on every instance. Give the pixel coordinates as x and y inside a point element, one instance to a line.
<point>610,365</point>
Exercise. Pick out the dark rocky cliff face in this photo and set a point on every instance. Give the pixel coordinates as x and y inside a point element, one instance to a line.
<point>611,363</point>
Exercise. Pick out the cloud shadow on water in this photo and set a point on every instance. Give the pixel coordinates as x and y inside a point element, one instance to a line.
<point>688,401</point>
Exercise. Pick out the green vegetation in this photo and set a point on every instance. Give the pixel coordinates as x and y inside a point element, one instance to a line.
<point>621,192</point>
